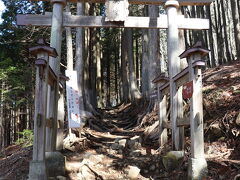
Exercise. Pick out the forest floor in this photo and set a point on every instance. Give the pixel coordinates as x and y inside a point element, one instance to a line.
<point>121,143</point>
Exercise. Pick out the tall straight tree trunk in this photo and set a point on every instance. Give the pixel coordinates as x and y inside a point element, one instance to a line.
<point>7,121</point>
<point>153,48</point>
<point>224,13</point>
<point>16,125</point>
<point>86,89</point>
<point>108,82</point>
<point>120,89</point>
<point>137,54</point>
<point>215,32</point>
<point>92,66</point>
<point>125,84</point>
<point>28,115</point>
<point>94,70</point>
<point>1,116</point>
<point>87,67</point>
<point>103,89</point>
<point>92,59</point>
<point>98,80</point>
<point>211,41</point>
<point>145,60</point>
<point>145,63</point>
<point>236,23</point>
<point>134,92</point>
<point>218,37</point>
<point>116,75</point>
<point>221,42</point>
<point>79,57</point>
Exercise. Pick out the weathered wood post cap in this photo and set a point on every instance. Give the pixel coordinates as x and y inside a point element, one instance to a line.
<point>43,47</point>
<point>173,3</point>
<point>197,49</point>
<point>63,2</point>
<point>161,79</point>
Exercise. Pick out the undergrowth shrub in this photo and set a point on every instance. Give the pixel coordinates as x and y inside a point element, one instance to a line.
<point>26,138</point>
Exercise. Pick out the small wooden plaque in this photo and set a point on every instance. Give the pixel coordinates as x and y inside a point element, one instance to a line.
<point>187,90</point>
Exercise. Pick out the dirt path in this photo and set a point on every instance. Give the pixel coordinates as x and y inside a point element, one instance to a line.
<point>115,157</point>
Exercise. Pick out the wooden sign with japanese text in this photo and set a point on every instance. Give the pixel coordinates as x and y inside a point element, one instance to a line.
<point>74,120</point>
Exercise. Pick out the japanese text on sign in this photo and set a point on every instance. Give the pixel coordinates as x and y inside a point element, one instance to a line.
<point>74,120</point>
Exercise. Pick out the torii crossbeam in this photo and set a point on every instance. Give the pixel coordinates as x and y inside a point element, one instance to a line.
<point>154,2</point>
<point>99,21</point>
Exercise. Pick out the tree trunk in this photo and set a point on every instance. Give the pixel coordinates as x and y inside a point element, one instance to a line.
<point>125,84</point>
<point>134,92</point>
<point>226,39</point>
<point>79,65</point>
<point>98,80</point>
<point>211,63</point>
<point>1,116</point>
<point>221,51</point>
<point>108,82</point>
<point>236,23</point>
<point>145,63</point>
<point>116,76</point>
<point>153,48</point>
<point>137,55</point>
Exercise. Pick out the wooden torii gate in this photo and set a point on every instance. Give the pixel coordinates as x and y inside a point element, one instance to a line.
<point>172,22</point>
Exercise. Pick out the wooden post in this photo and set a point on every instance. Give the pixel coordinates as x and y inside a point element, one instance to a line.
<point>61,115</point>
<point>55,42</point>
<point>197,163</point>
<point>162,109</point>
<point>183,65</point>
<point>163,119</point>
<point>50,117</point>
<point>174,68</point>
<point>37,166</point>
<point>180,117</point>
